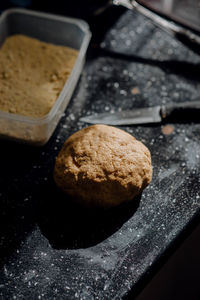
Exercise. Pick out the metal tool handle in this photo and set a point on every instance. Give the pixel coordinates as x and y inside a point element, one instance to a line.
<point>184,112</point>
<point>169,26</point>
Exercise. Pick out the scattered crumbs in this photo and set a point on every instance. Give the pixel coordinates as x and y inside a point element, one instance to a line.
<point>123,92</point>
<point>105,286</point>
<point>113,43</point>
<point>135,91</point>
<point>176,95</point>
<point>149,83</point>
<point>5,271</point>
<point>130,74</point>
<point>67,287</point>
<point>72,117</point>
<point>170,51</point>
<point>128,42</point>
<point>167,129</point>
<point>116,84</point>
<point>163,93</point>
<point>103,45</point>
<point>29,275</point>
<point>152,141</point>
<point>105,68</point>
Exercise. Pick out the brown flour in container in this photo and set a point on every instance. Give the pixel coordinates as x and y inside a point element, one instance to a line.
<point>32,74</point>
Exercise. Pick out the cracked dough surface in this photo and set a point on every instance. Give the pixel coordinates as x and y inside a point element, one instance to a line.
<point>32,74</point>
<point>103,166</point>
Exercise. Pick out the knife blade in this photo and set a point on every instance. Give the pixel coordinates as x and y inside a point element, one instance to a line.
<point>176,112</point>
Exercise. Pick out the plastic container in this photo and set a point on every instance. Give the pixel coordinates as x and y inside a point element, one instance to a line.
<point>57,30</point>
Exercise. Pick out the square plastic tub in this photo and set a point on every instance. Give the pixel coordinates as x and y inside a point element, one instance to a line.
<point>53,29</point>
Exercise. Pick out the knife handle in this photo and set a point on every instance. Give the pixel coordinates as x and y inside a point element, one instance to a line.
<point>181,112</point>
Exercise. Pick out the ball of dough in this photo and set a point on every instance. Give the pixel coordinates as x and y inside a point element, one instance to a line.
<point>103,166</point>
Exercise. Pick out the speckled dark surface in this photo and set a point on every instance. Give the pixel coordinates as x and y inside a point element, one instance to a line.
<point>51,249</point>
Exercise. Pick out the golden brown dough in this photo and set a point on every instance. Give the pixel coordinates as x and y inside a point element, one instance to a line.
<point>103,166</point>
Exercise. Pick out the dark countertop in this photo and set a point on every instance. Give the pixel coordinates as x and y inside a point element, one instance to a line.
<point>179,276</point>
<point>51,249</point>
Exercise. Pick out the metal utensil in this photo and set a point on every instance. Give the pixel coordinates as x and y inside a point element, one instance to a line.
<point>181,112</point>
<point>190,37</point>
<point>167,25</point>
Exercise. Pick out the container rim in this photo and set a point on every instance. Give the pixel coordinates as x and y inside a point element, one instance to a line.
<point>83,25</point>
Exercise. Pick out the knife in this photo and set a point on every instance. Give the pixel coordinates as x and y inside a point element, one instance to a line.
<point>179,112</point>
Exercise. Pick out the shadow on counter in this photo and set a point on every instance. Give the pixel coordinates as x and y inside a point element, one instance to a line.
<point>17,199</point>
<point>184,69</point>
<point>67,224</point>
